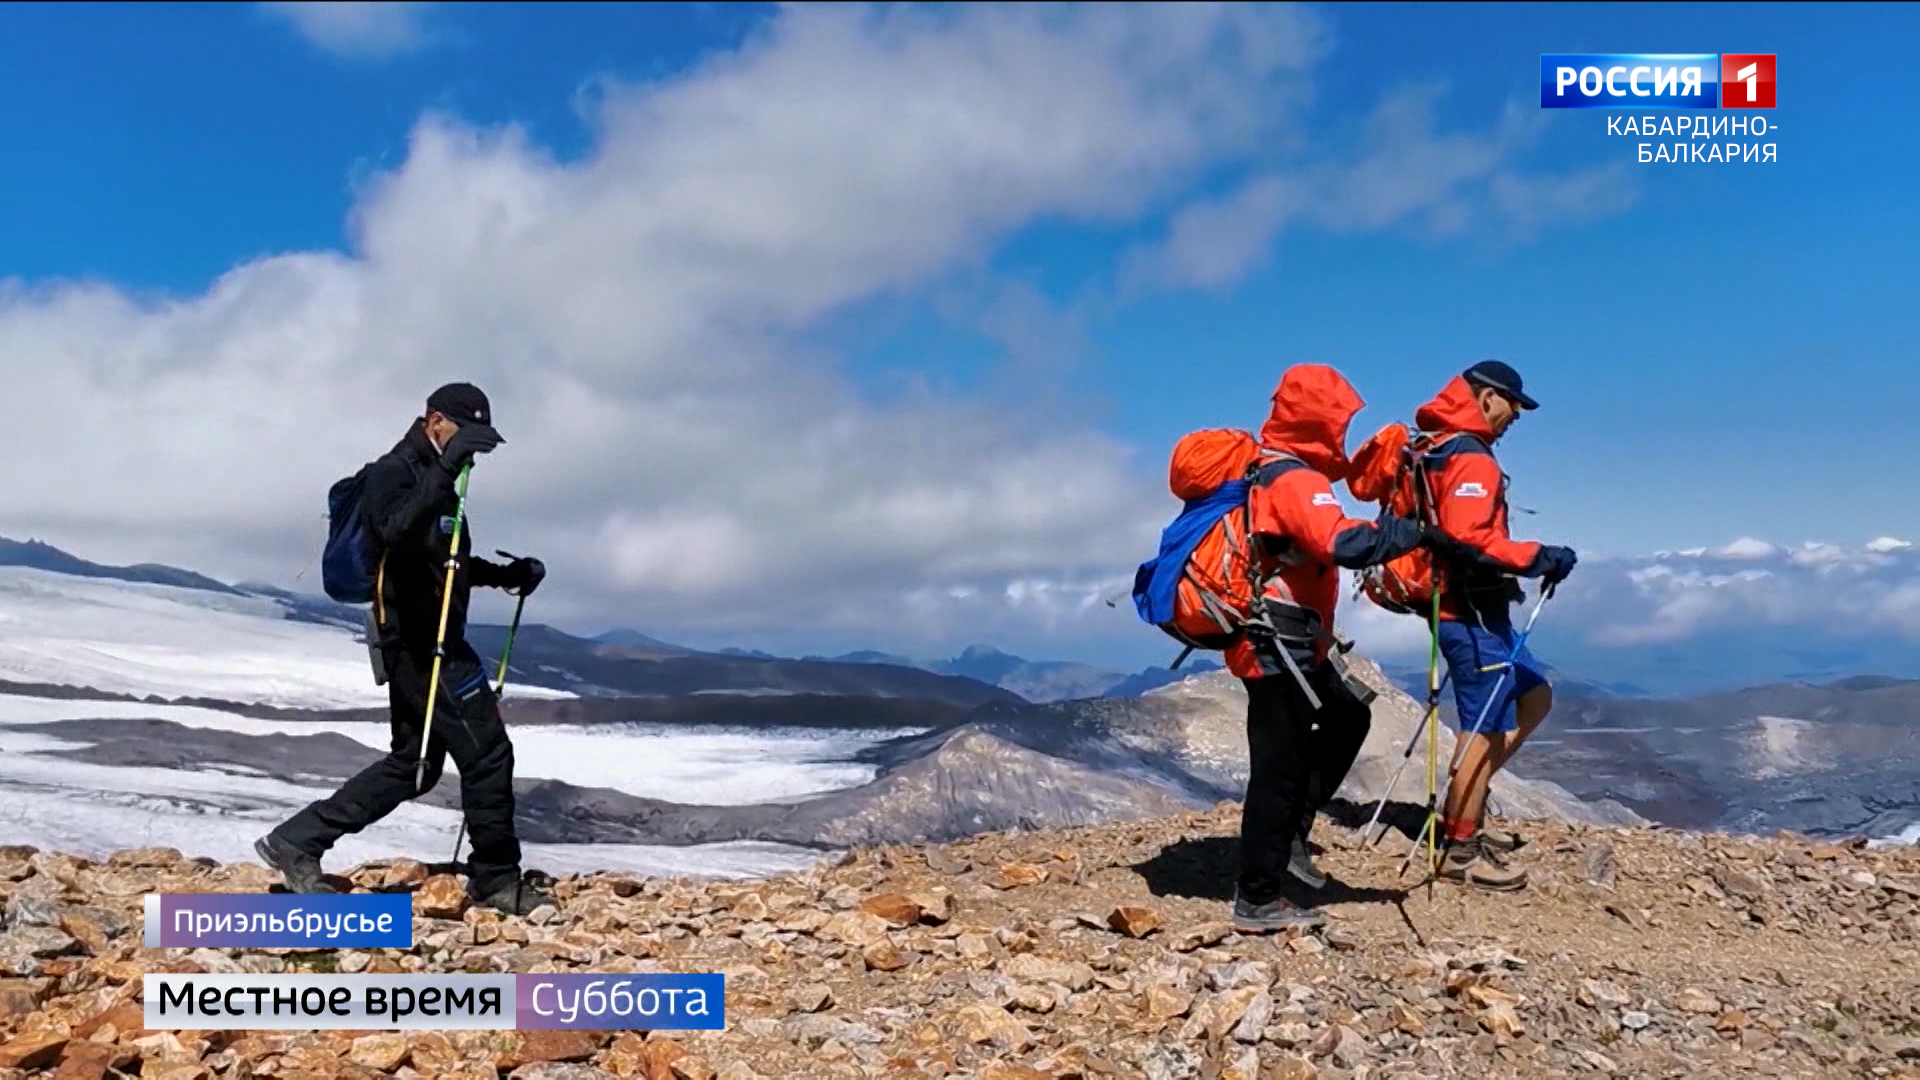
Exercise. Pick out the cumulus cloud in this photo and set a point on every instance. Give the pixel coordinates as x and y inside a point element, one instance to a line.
<point>1818,592</point>
<point>1819,588</point>
<point>1402,170</point>
<point>357,28</point>
<point>683,449</point>
<point>1747,547</point>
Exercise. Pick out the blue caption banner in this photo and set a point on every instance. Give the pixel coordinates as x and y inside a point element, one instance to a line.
<point>1630,80</point>
<point>279,921</point>
<point>620,1002</point>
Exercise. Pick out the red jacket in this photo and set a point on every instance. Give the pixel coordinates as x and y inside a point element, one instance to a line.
<point>1302,536</point>
<point>1470,504</point>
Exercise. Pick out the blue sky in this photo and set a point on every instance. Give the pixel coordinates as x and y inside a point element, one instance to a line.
<point>1722,350</point>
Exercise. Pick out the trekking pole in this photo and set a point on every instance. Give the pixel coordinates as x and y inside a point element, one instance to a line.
<point>1519,643</point>
<point>1406,758</point>
<point>1428,722</point>
<point>500,687</point>
<point>1506,669</point>
<point>440,637</point>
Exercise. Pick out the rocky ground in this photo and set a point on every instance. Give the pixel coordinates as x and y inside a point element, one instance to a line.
<point>1095,952</point>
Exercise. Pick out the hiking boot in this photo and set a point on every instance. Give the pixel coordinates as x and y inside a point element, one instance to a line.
<point>517,896</point>
<point>1502,843</point>
<point>1273,916</point>
<point>1300,865</point>
<point>299,870</point>
<point>1469,862</point>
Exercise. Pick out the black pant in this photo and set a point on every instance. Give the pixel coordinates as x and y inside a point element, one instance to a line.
<point>467,727</point>
<point>1297,759</point>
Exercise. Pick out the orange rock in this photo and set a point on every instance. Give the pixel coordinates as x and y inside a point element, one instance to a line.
<point>128,1017</point>
<point>1014,875</point>
<point>627,1056</point>
<point>550,1046</point>
<point>896,908</point>
<point>87,932</point>
<point>148,857</point>
<point>1014,1072</point>
<point>173,1070</point>
<point>32,1051</point>
<point>383,1051</point>
<point>85,1061</point>
<point>691,1068</point>
<point>884,957</point>
<point>936,906</point>
<point>1135,922</point>
<point>440,897</point>
<point>404,872</point>
<point>431,1053</point>
<point>17,998</point>
<point>658,1058</point>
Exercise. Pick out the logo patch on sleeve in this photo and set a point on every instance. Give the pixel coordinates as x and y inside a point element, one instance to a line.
<point>1326,498</point>
<point>1471,490</point>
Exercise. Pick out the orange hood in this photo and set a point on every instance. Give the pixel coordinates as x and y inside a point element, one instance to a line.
<point>1454,410</point>
<point>1312,408</point>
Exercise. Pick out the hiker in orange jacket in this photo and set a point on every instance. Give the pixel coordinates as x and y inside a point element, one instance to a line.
<point>1304,725</point>
<point>1479,560</point>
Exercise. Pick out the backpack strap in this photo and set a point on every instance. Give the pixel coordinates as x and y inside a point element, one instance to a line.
<point>380,593</point>
<point>1427,447</point>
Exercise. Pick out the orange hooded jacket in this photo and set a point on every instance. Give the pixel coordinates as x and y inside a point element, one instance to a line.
<point>1470,505</point>
<point>1302,536</point>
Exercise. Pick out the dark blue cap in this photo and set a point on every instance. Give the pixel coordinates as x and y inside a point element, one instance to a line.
<point>1494,375</point>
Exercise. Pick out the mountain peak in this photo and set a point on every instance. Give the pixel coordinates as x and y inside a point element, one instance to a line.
<point>984,652</point>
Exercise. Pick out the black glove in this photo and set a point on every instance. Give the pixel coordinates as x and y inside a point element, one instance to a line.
<point>1553,564</point>
<point>469,440</point>
<point>521,576</point>
<point>1437,541</point>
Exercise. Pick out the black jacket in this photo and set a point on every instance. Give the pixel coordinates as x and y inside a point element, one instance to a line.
<point>409,502</point>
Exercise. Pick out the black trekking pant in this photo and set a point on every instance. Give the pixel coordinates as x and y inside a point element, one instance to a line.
<point>466,727</point>
<point>1297,759</point>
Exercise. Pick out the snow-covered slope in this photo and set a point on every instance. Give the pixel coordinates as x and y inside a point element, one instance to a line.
<point>145,639</point>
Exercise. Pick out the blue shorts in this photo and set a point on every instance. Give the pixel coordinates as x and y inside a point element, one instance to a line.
<point>1477,658</point>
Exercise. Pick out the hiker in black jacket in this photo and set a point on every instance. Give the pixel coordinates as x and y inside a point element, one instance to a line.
<point>409,503</point>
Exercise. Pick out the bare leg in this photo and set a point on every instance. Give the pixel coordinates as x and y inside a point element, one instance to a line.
<point>1467,795</point>
<point>1529,711</point>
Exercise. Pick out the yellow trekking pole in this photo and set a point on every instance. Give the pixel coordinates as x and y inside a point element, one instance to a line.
<point>1429,830</point>
<point>440,637</point>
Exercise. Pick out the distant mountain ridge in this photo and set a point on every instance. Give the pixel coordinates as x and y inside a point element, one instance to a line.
<point>38,555</point>
<point>1040,681</point>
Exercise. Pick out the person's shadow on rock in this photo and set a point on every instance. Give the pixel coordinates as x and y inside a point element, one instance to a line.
<point>1205,867</point>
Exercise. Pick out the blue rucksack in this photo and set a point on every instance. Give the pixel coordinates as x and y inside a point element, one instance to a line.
<point>1156,585</point>
<point>352,556</point>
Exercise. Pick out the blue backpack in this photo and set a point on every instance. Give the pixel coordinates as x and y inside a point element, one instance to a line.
<point>352,555</point>
<point>1156,585</point>
<point>1211,472</point>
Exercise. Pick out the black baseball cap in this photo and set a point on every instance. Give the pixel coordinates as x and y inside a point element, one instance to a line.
<point>1495,375</point>
<point>463,403</point>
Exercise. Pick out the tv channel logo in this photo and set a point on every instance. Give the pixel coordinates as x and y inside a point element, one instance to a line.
<point>1656,81</point>
<point>1746,80</point>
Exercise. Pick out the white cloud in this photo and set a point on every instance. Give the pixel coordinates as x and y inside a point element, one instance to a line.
<point>1814,553</point>
<point>357,28</point>
<point>1818,589</point>
<point>1887,545</point>
<point>1747,547</point>
<point>1403,170</point>
<point>683,449</point>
